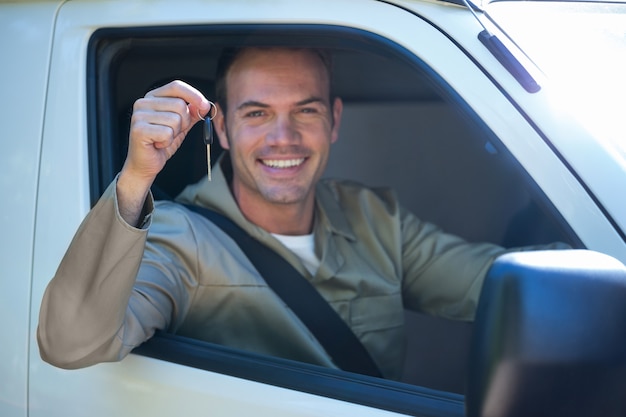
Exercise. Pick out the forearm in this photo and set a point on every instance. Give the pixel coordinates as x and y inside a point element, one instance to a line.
<point>85,304</point>
<point>444,273</point>
<point>132,193</point>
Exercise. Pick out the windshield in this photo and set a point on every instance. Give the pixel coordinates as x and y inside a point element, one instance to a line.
<point>581,48</point>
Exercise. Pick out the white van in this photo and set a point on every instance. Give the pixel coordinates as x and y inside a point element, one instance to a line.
<point>503,122</point>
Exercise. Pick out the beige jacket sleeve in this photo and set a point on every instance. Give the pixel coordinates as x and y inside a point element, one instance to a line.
<point>444,273</point>
<point>85,316</point>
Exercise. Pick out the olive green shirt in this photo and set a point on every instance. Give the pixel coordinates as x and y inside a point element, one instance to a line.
<point>179,272</point>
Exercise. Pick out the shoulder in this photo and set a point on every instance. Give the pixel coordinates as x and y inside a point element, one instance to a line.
<point>166,210</point>
<point>173,220</point>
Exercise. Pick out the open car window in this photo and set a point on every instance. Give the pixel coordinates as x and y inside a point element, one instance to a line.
<point>403,127</point>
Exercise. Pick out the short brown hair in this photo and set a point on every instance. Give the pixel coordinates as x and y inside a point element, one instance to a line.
<point>230,55</point>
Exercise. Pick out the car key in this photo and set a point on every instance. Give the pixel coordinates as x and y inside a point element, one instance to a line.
<point>208,141</point>
<point>207,135</point>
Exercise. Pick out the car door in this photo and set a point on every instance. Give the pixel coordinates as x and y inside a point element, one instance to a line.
<point>170,375</point>
<point>25,31</point>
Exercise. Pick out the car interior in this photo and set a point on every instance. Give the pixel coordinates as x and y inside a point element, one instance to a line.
<point>403,127</point>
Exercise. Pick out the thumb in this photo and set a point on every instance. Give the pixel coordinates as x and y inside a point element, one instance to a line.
<point>200,111</point>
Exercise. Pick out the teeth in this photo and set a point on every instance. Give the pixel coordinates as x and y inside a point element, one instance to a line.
<point>282,163</point>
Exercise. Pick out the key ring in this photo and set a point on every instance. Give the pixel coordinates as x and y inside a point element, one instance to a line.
<point>213,106</point>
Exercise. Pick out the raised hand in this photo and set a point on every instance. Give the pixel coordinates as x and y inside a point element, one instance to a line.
<point>159,124</point>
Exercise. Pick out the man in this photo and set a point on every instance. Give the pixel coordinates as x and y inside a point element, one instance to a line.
<point>132,268</point>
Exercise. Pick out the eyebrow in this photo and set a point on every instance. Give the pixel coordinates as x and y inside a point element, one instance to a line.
<point>253,103</point>
<point>310,100</point>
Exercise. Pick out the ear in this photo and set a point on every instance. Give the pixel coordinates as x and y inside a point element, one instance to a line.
<point>337,111</point>
<point>219,124</point>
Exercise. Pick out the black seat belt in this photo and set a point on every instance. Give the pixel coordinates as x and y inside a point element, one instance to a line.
<point>305,301</point>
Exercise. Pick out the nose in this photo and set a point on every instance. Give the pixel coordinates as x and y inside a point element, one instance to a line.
<point>283,131</point>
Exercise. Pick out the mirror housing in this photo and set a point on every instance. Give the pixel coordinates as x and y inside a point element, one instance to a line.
<point>550,337</point>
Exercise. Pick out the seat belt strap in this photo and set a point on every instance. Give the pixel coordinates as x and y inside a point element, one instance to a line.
<point>332,332</point>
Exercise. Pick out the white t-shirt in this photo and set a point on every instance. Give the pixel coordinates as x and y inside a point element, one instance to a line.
<point>304,247</point>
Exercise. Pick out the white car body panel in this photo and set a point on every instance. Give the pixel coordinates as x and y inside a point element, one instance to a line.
<point>46,192</point>
<point>26,53</point>
<point>144,386</point>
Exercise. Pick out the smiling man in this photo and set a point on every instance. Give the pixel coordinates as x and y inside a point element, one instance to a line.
<point>278,123</point>
<point>136,266</point>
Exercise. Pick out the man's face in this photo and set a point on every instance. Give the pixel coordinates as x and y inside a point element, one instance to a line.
<point>279,126</point>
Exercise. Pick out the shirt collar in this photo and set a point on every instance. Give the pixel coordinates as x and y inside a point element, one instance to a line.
<point>330,212</point>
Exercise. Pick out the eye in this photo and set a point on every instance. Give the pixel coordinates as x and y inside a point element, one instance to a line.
<point>255,113</point>
<point>308,110</point>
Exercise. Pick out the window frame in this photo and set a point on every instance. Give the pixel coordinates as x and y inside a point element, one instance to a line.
<point>364,390</point>
<point>378,393</point>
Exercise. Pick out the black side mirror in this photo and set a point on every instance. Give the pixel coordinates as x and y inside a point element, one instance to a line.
<point>550,337</point>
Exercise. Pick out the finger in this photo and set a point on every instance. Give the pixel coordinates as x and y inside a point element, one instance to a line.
<point>189,114</point>
<point>175,117</point>
<point>150,104</point>
<point>172,112</point>
<point>149,134</point>
<point>198,105</point>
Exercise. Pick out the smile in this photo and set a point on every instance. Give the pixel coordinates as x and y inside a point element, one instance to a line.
<point>282,163</point>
